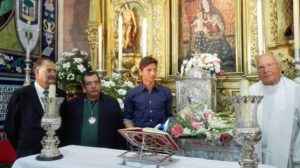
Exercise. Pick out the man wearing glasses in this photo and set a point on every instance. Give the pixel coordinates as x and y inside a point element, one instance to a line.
<point>93,118</point>
<point>278,114</point>
<point>25,110</point>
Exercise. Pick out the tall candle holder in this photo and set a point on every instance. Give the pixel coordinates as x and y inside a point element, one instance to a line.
<point>247,131</point>
<point>51,121</point>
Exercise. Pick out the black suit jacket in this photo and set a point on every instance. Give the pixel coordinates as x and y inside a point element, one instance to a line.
<point>110,119</point>
<point>23,120</point>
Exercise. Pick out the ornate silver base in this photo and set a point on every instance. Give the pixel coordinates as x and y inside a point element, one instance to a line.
<point>50,142</point>
<point>43,158</point>
<point>248,137</point>
<point>247,131</point>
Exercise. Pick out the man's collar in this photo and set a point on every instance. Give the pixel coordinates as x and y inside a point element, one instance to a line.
<point>38,86</point>
<point>142,87</point>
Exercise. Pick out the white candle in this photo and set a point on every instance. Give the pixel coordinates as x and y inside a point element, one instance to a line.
<point>120,38</point>
<point>245,107</point>
<point>100,48</point>
<point>52,95</point>
<point>244,87</point>
<point>259,28</point>
<point>296,29</point>
<point>52,90</point>
<point>144,37</point>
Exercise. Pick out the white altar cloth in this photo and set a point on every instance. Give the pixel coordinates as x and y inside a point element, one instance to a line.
<point>89,157</point>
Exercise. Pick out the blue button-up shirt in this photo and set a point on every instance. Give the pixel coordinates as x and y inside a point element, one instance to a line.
<point>147,109</point>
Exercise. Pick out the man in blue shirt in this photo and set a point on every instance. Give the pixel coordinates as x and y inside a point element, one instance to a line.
<point>149,103</point>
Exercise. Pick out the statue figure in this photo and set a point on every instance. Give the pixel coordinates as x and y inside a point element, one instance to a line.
<point>129,27</point>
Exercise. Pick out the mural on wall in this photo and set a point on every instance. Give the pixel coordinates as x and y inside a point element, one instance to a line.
<point>6,11</point>
<point>208,26</point>
<point>40,18</point>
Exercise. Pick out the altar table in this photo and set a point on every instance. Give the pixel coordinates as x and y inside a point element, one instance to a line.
<point>90,157</point>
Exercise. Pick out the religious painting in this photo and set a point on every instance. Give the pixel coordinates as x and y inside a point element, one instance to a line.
<point>210,26</point>
<point>144,27</point>
<point>131,13</point>
<point>130,27</point>
<point>6,12</point>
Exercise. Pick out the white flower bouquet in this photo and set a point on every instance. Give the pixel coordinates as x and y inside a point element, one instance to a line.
<point>71,66</point>
<point>205,61</point>
<point>116,88</point>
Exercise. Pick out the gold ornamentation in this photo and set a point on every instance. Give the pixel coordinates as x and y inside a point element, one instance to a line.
<point>273,21</point>
<point>92,32</point>
<point>158,41</point>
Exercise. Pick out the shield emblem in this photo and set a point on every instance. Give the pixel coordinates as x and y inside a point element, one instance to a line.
<point>28,22</point>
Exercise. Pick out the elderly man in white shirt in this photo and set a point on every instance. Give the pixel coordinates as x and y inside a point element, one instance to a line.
<point>278,114</point>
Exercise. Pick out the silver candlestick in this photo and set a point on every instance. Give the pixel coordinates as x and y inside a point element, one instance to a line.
<point>51,121</point>
<point>247,131</point>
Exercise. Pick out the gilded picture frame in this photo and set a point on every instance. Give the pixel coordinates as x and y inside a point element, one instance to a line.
<point>186,14</point>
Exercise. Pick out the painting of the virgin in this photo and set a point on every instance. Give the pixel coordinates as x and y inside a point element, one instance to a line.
<point>205,30</point>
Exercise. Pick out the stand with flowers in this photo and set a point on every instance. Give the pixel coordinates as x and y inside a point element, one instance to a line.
<point>196,99</point>
<point>70,68</point>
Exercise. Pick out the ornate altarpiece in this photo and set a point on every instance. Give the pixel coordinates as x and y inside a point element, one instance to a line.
<point>163,39</point>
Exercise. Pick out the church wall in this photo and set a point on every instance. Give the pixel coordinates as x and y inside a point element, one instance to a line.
<point>74,24</point>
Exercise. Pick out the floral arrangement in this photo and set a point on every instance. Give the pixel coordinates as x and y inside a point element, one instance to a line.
<point>71,66</point>
<point>205,61</point>
<point>116,88</point>
<point>199,121</point>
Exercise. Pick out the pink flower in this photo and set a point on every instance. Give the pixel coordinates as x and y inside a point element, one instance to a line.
<point>196,125</point>
<point>177,130</point>
<point>208,115</point>
<point>217,62</point>
<point>222,73</point>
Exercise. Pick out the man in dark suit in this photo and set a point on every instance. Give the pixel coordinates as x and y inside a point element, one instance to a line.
<point>25,110</point>
<point>94,118</point>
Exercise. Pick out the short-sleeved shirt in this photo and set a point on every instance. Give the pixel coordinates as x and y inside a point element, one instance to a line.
<point>147,109</point>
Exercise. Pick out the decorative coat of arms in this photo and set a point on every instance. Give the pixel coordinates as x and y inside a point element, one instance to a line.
<point>28,15</point>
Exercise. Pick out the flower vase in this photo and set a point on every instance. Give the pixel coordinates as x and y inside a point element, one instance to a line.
<point>72,90</point>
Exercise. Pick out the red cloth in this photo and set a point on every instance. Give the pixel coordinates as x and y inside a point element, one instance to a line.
<point>7,152</point>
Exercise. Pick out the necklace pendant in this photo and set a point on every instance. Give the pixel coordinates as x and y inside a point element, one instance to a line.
<point>92,120</point>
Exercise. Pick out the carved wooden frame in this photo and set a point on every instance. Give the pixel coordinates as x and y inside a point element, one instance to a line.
<point>176,26</point>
